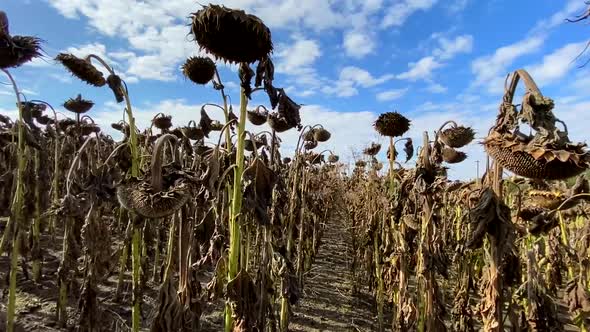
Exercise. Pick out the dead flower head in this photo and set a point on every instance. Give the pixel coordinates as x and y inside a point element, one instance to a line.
<point>231,34</point>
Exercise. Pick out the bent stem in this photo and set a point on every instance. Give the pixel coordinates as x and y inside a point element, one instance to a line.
<point>236,206</point>
<point>135,162</point>
<point>16,210</point>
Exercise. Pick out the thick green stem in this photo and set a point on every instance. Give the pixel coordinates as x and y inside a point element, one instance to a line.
<point>236,206</point>
<point>16,208</point>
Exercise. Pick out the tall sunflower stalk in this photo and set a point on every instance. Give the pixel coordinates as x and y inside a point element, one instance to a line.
<point>236,205</point>
<point>84,70</point>
<point>17,207</point>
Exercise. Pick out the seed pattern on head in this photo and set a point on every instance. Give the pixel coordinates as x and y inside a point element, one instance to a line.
<point>200,70</point>
<point>457,137</point>
<point>392,124</point>
<point>230,34</point>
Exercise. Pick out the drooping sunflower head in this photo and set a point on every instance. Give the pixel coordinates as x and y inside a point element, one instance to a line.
<point>257,117</point>
<point>457,137</point>
<point>200,70</point>
<point>372,149</point>
<point>82,69</point>
<point>231,34</point>
<point>392,124</point>
<point>162,122</point>
<point>321,135</point>
<point>116,85</point>
<point>453,156</point>
<point>18,50</point>
<point>78,105</point>
<point>278,123</point>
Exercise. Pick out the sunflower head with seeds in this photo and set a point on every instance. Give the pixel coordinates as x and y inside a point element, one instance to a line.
<point>392,124</point>
<point>231,35</point>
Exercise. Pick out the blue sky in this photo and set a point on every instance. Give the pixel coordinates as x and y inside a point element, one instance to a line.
<point>346,60</point>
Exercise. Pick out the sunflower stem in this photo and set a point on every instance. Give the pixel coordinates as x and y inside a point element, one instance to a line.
<point>136,261</point>
<point>236,206</point>
<point>62,271</point>
<point>36,229</point>
<point>16,209</point>
<point>565,242</point>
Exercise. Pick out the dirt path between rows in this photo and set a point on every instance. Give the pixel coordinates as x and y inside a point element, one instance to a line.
<point>328,303</point>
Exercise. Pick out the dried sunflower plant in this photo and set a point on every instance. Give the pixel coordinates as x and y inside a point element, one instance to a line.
<point>213,225</point>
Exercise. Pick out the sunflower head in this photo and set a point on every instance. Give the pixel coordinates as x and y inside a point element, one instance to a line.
<point>18,50</point>
<point>278,123</point>
<point>372,149</point>
<point>116,85</point>
<point>78,105</point>
<point>453,156</point>
<point>392,124</point>
<point>200,70</point>
<point>82,69</point>
<point>321,135</point>
<point>457,137</point>
<point>310,145</point>
<point>257,117</point>
<point>162,122</point>
<point>231,34</point>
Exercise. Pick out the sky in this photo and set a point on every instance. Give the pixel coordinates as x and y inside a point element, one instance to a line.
<point>345,61</point>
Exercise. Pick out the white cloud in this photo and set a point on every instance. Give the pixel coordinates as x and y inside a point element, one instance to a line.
<point>341,89</point>
<point>397,14</point>
<point>155,32</point>
<point>318,15</point>
<point>436,88</point>
<point>422,69</point>
<point>451,47</point>
<point>350,79</point>
<point>572,8</point>
<point>300,54</point>
<point>581,82</point>
<point>362,77</point>
<point>392,94</point>
<point>557,64</point>
<point>358,44</point>
<point>490,70</point>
